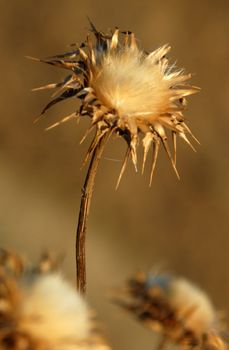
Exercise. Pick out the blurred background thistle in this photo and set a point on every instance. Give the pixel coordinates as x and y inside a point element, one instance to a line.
<point>40,177</point>
<point>40,310</point>
<point>175,308</point>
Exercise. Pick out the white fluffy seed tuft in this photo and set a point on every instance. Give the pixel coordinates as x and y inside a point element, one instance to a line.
<point>192,305</point>
<point>51,310</point>
<point>128,82</point>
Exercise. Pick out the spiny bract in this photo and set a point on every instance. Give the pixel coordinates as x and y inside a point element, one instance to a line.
<point>127,91</point>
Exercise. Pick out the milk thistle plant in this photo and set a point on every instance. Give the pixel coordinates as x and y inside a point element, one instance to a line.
<point>125,91</point>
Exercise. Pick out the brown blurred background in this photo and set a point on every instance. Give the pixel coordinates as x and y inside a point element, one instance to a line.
<point>181,226</point>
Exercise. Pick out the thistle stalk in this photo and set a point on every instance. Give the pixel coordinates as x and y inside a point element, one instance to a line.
<point>85,203</point>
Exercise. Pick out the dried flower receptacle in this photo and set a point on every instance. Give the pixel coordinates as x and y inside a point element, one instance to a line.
<point>126,91</point>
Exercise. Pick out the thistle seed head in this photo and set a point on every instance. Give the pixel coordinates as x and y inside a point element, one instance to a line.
<point>126,91</point>
<point>176,308</point>
<point>39,310</point>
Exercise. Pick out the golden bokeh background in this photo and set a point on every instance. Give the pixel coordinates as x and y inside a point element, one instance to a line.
<point>180,226</point>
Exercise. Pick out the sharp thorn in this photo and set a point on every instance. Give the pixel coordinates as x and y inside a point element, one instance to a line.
<point>146,145</point>
<point>63,120</point>
<point>133,43</point>
<point>166,147</point>
<point>114,40</point>
<point>37,119</point>
<point>90,150</point>
<point>49,86</point>
<point>93,29</point>
<point>33,58</point>
<point>184,137</point>
<point>156,145</point>
<point>123,167</point>
<point>174,138</point>
<point>99,135</point>
<point>189,131</point>
<point>86,134</point>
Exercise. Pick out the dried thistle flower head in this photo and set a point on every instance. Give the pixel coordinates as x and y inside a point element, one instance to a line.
<point>176,308</point>
<point>126,91</point>
<point>40,310</point>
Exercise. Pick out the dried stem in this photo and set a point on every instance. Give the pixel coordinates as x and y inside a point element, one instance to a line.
<point>86,196</point>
